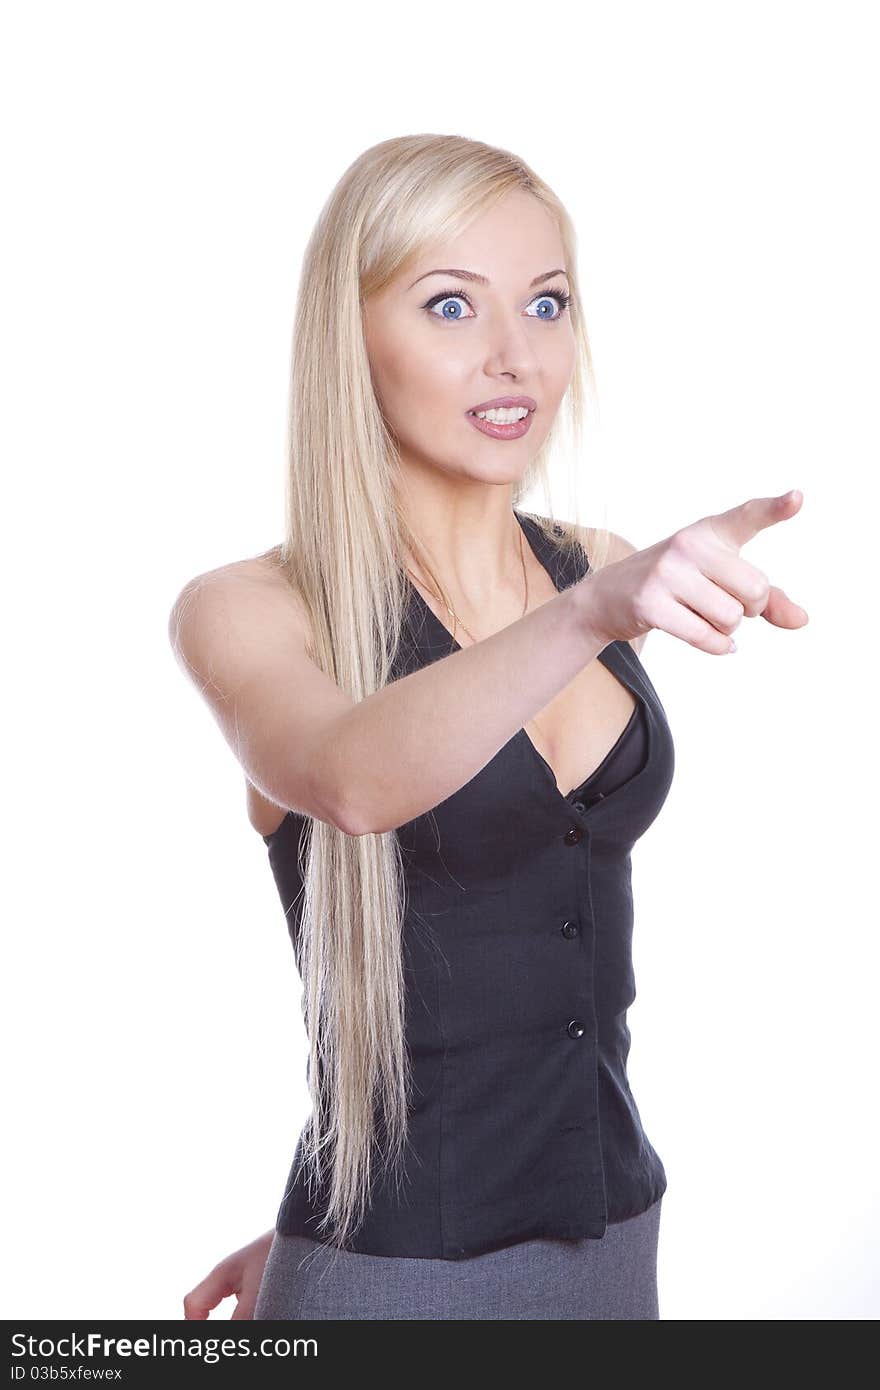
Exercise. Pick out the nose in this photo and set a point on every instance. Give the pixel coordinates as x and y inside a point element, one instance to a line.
<point>510,347</point>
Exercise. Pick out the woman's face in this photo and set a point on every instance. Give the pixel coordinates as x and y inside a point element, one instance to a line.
<point>442,344</point>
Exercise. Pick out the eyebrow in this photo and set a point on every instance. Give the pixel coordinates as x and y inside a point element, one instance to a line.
<point>483,279</point>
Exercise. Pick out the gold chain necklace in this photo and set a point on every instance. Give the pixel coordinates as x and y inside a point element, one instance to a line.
<point>455,619</point>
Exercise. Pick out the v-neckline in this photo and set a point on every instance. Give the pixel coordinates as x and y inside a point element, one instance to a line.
<point>611,658</point>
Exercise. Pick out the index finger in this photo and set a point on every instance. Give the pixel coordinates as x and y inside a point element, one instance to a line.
<point>740,524</point>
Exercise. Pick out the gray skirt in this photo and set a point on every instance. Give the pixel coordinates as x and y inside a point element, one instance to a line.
<point>611,1278</point>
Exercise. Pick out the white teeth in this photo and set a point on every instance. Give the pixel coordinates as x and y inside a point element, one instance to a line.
<point>502,415</point>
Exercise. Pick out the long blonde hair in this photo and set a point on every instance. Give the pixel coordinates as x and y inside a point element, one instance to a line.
<point>344,552</point>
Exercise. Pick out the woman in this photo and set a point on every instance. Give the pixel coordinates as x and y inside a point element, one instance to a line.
<point>412,682</point>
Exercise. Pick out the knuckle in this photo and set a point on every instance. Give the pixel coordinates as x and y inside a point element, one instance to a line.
<point>680,543</point>
<point>758,587</point>
<point>668,564</point>
<point>734,615</point>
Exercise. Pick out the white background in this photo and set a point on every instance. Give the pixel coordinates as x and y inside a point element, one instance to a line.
<point>163,165</point>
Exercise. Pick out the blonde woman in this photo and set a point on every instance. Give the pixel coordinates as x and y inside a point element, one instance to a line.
<point>451,747</point>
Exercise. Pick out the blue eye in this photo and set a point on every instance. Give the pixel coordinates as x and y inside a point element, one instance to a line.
<point>452,298</point>
<point>561,300</point>
<point>448,298</point>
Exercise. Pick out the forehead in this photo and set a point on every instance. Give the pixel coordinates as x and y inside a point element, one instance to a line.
<point>516,239</point>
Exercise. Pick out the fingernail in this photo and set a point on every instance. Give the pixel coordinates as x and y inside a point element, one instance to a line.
<point>732,647</point>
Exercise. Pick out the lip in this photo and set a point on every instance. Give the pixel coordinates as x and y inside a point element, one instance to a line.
<point>505,401</point>
<point>515,430</point>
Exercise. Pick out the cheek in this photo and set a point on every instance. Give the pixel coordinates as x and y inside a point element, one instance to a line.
<point>422,380</point>
<point>564,355</point>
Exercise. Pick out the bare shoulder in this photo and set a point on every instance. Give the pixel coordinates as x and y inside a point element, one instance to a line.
<point>619,549</point>
<point>255,571</point>
<point>252,591</point>
<point>241,634</point>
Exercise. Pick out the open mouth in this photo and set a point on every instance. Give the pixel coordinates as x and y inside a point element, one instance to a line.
<point>507,423</point>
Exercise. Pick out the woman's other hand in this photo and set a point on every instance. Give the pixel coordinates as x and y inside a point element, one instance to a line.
<point>240,1274</point>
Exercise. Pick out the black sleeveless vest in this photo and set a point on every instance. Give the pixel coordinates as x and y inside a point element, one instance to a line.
<point>518,960</point>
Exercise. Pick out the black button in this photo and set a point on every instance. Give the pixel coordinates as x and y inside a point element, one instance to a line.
<point>576,1029</point>
<point>579,806</point>
<point>573,835</point>
<point>570,929</point>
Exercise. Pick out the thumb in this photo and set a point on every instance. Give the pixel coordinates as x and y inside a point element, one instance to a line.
<point>781,611</point>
